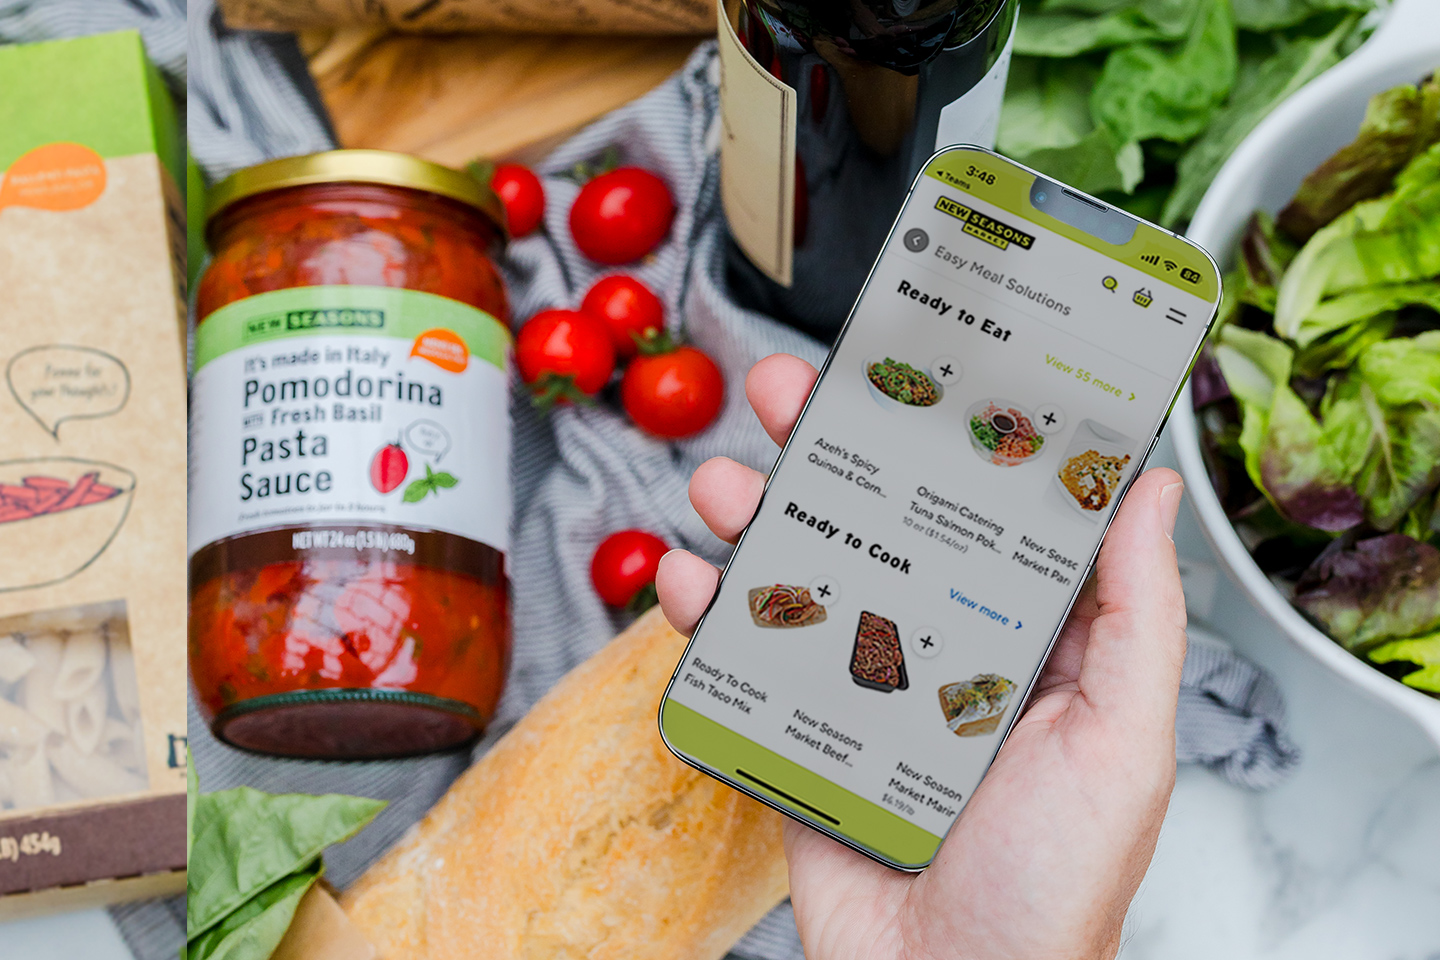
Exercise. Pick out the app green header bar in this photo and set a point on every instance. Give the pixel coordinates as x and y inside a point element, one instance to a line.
<point>993,179</point>
<point>808,795</point>
<point>99,91</point>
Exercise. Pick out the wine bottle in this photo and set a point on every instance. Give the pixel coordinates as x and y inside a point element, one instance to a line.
<point>830,107</point>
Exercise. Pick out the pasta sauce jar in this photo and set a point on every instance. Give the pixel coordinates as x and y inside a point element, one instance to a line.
<point>349,454</point>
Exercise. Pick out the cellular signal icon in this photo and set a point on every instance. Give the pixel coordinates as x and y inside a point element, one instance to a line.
<point>1152,258</point>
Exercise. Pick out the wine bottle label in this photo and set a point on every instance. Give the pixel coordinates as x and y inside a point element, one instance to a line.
<point>757,156</point>
<point>975,117</point>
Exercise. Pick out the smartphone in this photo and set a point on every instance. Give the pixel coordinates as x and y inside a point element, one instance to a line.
<point>997,386</point>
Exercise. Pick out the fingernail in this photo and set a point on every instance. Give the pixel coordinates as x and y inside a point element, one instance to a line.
<point>1170,507</point>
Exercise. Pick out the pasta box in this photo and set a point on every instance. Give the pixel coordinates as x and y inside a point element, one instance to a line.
<point>92,478</point>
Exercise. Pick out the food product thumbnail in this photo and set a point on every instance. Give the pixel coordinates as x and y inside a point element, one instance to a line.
<point>782,606</point>
<point>877,661</point>
<point>902,382</point>
<point>69,708</point>
<point>1093,478</point>
<point>974,707</point>
<point>1003,433</point>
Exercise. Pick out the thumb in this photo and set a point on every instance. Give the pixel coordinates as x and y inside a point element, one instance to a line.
<point>1131,666</point>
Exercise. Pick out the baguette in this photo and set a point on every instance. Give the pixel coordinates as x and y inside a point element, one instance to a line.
<point>580,835</point>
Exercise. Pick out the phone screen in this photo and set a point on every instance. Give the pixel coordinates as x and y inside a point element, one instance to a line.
<point>937,508</point>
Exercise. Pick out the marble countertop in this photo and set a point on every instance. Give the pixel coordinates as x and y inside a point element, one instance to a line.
<point>1341,861</point>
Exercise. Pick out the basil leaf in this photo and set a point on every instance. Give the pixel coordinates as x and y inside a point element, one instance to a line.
<point>254,930</point>
<point>246,840</point>
<point>1255,95</point>
<point>1147,92</point>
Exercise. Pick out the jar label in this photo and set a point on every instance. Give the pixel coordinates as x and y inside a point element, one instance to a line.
<point>350,408</point>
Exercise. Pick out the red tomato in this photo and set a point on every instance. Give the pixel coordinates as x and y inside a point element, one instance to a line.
<point>564,355</point>
<point>624,565</point>
<point>629,308</point>
<point>621,215</point>
<point>524,198</point>
<point>673,394</point>
<point>388,467</point>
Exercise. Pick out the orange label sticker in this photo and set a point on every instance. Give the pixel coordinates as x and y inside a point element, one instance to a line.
<point>57,176</point>
<point>444,348</point>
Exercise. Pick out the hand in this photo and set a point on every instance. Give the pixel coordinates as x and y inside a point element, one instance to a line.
<point>1046,856</point>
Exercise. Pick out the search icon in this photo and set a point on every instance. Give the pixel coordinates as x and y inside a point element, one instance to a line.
<point>1110,283</point>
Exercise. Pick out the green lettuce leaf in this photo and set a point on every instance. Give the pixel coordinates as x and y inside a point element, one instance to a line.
<point>1424,652</point>
<point>1295,64</point>
<point>1400,387</point>
<point>1399,124</point>
<point>1340,350</point>
<point>1145,91</point>
<point>1301,472</point>
<point>1359,306</point>
<point>1046,125</point>
<point>1394,451</point>
<point>253,931</point>
<point>1374,590</point>
<point>1394,239</point>
<point>246,841</point>
<point>1289,457</point>
<point>1405,370</point>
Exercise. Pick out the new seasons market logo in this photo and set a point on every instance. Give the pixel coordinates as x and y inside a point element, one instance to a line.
<point>989,229</point>
<point>322,318</point>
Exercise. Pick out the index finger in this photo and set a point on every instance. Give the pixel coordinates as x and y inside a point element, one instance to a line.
<point>777,388</point>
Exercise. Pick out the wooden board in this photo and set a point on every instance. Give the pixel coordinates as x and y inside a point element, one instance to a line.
<point>454,98</point>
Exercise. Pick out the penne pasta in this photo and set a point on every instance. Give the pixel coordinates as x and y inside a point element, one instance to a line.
<point>81,665</point>
<point>37,693</point>
<point>19,727</point>
<point>31,782</point>
<point>120,743</point>
<point>86,718</point>
<point>95,775</point>
<point>15,660</point>
<point>123,681</point>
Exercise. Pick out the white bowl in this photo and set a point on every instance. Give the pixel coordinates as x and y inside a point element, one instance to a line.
<point>1264,172</point>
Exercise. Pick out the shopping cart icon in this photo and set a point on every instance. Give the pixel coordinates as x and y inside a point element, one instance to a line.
<point>1143,297</point>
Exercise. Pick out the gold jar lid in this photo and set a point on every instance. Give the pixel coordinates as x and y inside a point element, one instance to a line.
<point>357,166</point>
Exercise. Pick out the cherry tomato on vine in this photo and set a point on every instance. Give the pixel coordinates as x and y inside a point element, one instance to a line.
<point>524,198</point>
<point>671,391</point>
<point>564,355</point>
<point>630,311</point>
<point>623,568</point>
<point>621,215</point>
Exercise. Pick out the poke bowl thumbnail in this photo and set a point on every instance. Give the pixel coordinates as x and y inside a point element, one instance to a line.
<point>897,385</point>
<point>1003,433</point>
<point>57,515</point>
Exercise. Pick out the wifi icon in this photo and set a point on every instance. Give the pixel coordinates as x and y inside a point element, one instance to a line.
<point>1152,258</point>
<point>1171,266</point>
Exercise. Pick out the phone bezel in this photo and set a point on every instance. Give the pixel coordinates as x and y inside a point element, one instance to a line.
<point>1024,700</point>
